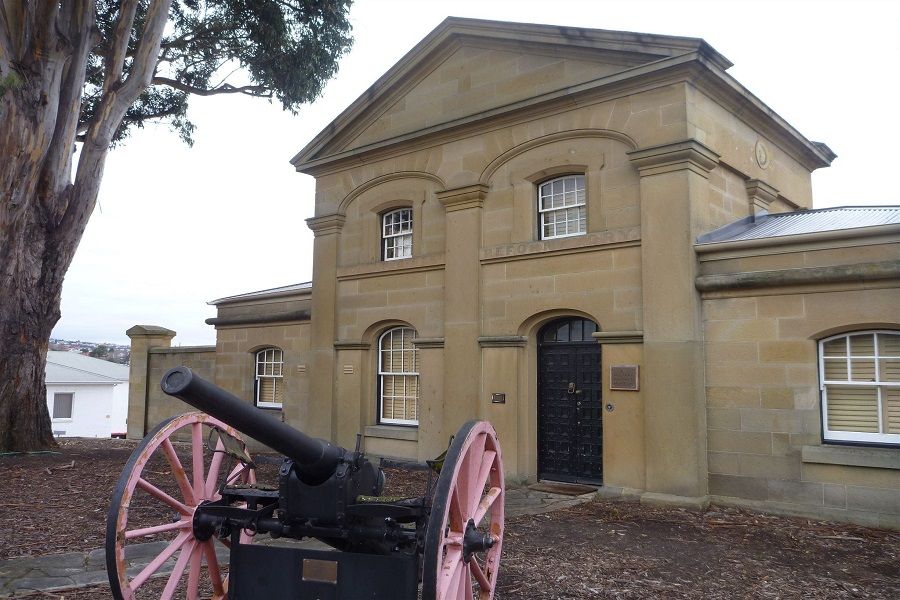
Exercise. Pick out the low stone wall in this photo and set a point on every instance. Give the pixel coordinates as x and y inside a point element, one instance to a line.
<point>152,354</point>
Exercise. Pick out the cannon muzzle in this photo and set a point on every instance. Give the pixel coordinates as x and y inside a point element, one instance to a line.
<point>315,460</point>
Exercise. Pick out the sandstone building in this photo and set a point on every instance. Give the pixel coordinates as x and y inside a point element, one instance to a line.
<point>601,242</point>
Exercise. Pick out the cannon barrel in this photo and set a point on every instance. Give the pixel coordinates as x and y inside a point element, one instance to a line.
<point>315,460</point>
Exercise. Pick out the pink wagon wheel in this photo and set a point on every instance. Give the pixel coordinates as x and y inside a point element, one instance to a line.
<point>465,529</point>
<point>150,519</point>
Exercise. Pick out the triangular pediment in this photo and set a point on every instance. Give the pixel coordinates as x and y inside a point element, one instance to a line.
<point>467,68</point>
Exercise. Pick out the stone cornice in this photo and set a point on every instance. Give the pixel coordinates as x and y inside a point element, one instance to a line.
<point>692,68</point>
<point>857,273</point>
<point>284,317</point>
<point>437,342</point>
<point>182,349</point>
<point>502,341</point>
<point>326,224</point>
<point>351,345</point>
<point>677,156</point>
<point>462,198</point>
<point>619,337</point>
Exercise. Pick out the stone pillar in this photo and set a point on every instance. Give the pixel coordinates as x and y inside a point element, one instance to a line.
<point>143,337</point>
<point>674,197</point>
<point>462,305</point>
<point>321,415</point>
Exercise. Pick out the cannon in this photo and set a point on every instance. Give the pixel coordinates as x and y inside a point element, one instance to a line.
<point>188,504</point>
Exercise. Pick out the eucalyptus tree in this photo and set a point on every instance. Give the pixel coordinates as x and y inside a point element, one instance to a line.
<point>75,77</point>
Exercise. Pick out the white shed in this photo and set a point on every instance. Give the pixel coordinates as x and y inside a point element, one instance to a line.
<point>86,397</point>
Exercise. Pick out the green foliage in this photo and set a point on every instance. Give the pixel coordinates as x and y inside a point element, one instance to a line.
<point>286,49</point>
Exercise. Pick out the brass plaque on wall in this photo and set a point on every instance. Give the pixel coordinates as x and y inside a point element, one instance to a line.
<point>624,377</point>
<point>322,571</point>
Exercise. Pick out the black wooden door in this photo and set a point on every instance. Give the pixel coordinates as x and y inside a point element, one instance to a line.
<point>570,426</point>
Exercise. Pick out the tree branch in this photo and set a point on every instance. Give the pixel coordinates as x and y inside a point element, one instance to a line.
<point>225,88</point>
<point>115,62</point>
<point>116,100</point>
<point>56,172</point>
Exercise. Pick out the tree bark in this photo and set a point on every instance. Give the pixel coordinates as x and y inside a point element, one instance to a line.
<point>44,49</point>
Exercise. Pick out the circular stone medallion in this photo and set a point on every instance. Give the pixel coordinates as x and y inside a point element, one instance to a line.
<point>762,154</point>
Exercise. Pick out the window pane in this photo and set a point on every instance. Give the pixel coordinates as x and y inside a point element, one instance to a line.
<point>889,370</point>
<point>62,406</point>
<point>836,347</point>
<point>862,370</point>
<point>836,369</point>
<point>888,344</point>
<point>862,345</point>
<point>891,410</point>
<point>853,409</point>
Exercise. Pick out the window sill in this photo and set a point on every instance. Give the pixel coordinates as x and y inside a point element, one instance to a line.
<point>393,432</point>
<point>853,456</point>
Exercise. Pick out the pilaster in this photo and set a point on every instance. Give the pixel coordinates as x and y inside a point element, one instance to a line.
<point>674,194</point>
<point>322,413</point>
<point>462,381</point>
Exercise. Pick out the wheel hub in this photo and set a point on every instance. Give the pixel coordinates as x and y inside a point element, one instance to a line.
<point>474,541</point>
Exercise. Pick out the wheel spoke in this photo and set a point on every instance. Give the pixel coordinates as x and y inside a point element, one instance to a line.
<point>214,466</point>
<point>456,517</point>
<point>212,566</point>
<point>465,583</point>
<point>162,496</point>
<point>178,471</point>
<point>451,568</point>
<point>479,576</point>
<point>485,505</point>
<point>238,469</point>
<point>194,572</point>
<point>484,472</point>
<point>186,551</point>
<point>157,562</point>
<point>136,533</point>
<point>197,451</point>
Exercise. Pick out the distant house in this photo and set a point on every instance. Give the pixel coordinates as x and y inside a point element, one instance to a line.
<point>86,397</point>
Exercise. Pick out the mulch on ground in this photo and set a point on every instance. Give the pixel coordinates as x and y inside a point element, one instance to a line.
<point>606,549</point>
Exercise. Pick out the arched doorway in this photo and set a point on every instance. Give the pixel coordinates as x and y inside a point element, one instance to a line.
<point>570,426</point>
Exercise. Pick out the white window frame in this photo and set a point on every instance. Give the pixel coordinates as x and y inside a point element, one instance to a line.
<point>545,193</point>
<point>397,234</point>
<point>880,385</point>
<point>403,331</point>
<point>270,356</point>
<point>71,408</point>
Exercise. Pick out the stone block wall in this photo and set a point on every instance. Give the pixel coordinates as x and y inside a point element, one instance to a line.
<point>764,421</point>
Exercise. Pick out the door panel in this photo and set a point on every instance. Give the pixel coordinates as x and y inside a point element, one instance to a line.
<point>570,427</point>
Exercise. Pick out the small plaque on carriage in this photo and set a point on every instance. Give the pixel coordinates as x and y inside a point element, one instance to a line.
<point>321,571</point>
<point>624,377</point>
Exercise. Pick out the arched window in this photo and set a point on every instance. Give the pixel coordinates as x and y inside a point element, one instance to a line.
<point>398,377</point>
<point>396,234</point>
<point>562,206</point>
<point>860,384</point>
<point>269,382</point>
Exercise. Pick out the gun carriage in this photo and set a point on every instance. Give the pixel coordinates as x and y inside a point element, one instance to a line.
<point>209,509</point>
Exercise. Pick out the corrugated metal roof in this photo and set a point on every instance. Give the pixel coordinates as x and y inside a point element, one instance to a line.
<point>806,221</point>
<point>72,367</point>
<point>286,289</point>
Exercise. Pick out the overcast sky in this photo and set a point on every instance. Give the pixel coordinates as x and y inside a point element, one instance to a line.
<point>177,227</point>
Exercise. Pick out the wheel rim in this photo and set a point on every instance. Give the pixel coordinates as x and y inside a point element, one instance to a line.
<point>155,481</point>
<point>470,491</point>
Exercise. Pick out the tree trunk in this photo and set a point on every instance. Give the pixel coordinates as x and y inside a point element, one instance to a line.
<point>43,55</point>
